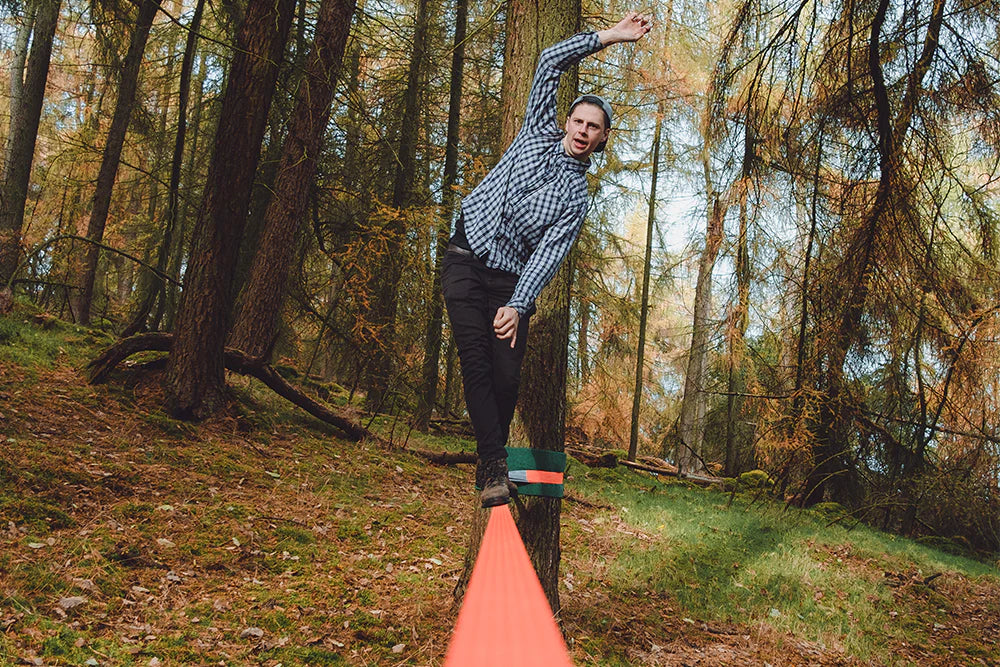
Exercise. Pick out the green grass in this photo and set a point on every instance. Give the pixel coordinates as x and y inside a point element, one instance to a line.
<point>759,562</point>
<point>30,345</point>
<point>274,522</point>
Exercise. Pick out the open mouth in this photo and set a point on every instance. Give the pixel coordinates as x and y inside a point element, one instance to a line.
<point>579,144</point>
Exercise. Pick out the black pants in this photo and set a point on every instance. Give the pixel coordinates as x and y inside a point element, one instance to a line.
<point>491,370</point>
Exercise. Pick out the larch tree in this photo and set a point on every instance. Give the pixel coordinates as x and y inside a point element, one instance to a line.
<point>855,279</point>
<point>385,280</point>
<point>259,309</point>
<point>21,39</point>
<point>127,86</point>
<point>196,371</point>
<point>640,360</point>
<point>25,119</point>
<point>152,288</point>
<point>428,390</point>
<point>691,425</point>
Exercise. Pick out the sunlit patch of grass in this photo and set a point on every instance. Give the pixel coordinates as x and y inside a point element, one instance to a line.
<point>31,339</point>
<point>26,345</point>
<point>736,561</point>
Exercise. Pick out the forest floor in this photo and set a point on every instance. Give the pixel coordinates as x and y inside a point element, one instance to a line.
<point>260,537</point>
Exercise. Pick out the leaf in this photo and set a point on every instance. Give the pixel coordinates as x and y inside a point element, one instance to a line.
<point>71,602</point>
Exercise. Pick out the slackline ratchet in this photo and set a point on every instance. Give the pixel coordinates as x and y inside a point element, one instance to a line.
<point>505,618</point>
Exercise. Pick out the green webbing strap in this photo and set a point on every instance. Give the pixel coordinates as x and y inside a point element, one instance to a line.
<point>523,462</point>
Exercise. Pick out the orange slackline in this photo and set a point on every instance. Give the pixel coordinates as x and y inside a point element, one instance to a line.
<point>505,619</point>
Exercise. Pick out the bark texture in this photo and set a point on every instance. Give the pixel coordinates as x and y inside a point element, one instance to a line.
<point>256,324</point>
<point>23,136</point>
<point>427,394</point>
<point>195,373</point>
<point>127,86</point>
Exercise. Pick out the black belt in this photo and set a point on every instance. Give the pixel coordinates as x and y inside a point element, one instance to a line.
<point>460,250</point>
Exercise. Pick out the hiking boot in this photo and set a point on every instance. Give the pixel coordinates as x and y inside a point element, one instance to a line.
<point>491,477</point>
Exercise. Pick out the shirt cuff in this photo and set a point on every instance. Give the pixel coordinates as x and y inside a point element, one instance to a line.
<point>523,309</point>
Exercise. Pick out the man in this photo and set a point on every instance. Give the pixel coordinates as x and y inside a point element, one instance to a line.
<point>515,229</point>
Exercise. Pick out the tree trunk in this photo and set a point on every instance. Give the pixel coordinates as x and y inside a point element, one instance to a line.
<point>640,358</point>
<point>542,403</point>
<point>195,373</point>
<point>583,339</point>
<point>17,75</point>
<point>386,280</point>
<point>165,312</point>
<point>112,154</point>
<point>855,278</point>
<point>260,304</point>
<point>22,139</point>
<point>427,394</point>
<point>152,288</point>
<point>355,112</point>
<point>691,427</point>
<point>737,325</point>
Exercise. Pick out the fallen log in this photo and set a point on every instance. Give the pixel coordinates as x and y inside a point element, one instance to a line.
<point>594,459</point>
<point>706,480</point>
<point>648,468</point>
<point>445,458</point>
<point>452,426</point>
<point>235,361</point>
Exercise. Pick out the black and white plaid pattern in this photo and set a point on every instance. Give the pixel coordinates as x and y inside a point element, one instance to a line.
<point>525,215</point>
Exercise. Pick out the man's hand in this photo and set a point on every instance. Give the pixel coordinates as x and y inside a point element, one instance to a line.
<point>629,29</point>
<point>505,324</point>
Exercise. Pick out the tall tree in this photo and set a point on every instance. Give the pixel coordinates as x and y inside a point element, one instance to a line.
<point>854,282</point>
<point>256,323</point>
<point>21,39</point>
<point>738,313</point>
<point>151,287</point>
<point>427,393</point>
<point>640,365</point>
<point>25,121</point>
<point>691,426</point>
<point>542,403</point>
<point>195,371</point>
<point>385,282</point>
<point>127,86</point>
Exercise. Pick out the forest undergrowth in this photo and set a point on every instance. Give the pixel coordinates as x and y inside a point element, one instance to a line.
<point>260,537</point>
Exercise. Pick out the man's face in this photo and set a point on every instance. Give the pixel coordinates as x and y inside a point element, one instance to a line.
<point>585,130</point>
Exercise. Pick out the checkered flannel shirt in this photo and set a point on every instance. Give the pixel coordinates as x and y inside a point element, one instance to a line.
<point>525,215</point>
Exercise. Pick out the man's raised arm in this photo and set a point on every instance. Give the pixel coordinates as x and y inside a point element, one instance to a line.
<point>556,59</point>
